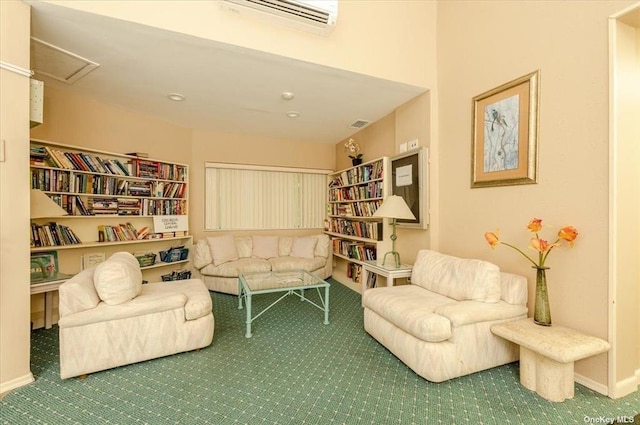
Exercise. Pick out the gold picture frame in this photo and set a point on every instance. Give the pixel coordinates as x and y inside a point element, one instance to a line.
<point>505,134</point>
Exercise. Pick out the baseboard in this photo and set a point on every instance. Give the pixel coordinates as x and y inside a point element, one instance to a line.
<point>591,384</point>
<point>16,383</point>
<point>626,386</point>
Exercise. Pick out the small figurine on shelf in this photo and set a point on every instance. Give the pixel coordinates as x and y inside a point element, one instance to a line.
<point>353,148</point>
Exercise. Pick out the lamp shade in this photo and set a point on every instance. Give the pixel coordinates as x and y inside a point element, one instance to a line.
<point>42,206</point>
<point>394,206</point>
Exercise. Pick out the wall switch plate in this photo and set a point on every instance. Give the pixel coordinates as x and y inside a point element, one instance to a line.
<point>403,147</point>
<point>413,144</point>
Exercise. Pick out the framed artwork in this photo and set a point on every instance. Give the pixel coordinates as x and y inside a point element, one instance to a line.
<point>409,180</point>
<point>505,134</point>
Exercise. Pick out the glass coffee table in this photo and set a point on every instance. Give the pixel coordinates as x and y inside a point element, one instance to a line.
<point>289,283</point>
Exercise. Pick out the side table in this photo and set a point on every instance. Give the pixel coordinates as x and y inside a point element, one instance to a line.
<point>388,271</point>
<point>48,287</point>
<point>547,355</point>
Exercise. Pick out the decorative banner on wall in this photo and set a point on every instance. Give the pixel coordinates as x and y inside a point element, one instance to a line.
<point>170,223</point>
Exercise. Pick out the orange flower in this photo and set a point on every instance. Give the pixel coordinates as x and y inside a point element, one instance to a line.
<point>541,245</point>
<point>492,238</point>
<point>535,225</point>
<point>569,234</point>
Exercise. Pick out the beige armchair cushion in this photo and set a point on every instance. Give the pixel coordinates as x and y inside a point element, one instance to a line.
<point>118,279</point>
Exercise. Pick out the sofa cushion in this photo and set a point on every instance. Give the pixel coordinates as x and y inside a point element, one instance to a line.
<point>411,308</point>
<point>457,278</point>
<point>265,247</point>
<point>234,268</point>
<point>304,247</point>
<point>201,254</point>
<point>244,246</point>
<point>118,279</point>
<point>323,246</point>
<point>294,263</point>
<point>78,293</point>
<point>284,246</point>
<point>223,249</point>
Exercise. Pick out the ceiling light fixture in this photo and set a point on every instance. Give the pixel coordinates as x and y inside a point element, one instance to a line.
<point>177,97</point>
<point>287,95</point>
<point>293,114</point>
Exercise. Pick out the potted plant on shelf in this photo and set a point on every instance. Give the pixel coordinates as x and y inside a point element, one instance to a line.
<point>353,148</point>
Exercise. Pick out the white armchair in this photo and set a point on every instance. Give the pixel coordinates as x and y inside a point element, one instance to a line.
<point>109,319</point>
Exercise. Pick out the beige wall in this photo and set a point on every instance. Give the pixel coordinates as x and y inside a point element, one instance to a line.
<point>385,39</point>
<point>211,146</point>
<point>483,45</point>
<point>14,198</point>
<point>77,120</point>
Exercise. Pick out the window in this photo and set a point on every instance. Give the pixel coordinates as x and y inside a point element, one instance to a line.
<point>241,197</point>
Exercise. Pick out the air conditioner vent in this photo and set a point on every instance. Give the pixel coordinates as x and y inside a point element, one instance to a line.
<point>318,16</point>
<point>359,123</point>
<point>54,62</point>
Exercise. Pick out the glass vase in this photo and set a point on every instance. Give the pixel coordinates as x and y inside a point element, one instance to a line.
<point>542,312</point>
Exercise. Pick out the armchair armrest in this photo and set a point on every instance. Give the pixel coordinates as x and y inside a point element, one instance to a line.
<point>467,312</point>
<point>139,306</point>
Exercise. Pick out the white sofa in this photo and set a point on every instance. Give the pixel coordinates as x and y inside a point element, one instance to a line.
<point>221,259</point>
<point>108,318</point>
<point>440,324</point>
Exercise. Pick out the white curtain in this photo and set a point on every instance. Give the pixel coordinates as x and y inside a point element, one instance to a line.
<point>246,199</point>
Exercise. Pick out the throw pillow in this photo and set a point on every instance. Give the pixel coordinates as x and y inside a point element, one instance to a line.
<point>223,249</point>
<point>304,247</point>
<point>265,247</point>
<point>118,279</point>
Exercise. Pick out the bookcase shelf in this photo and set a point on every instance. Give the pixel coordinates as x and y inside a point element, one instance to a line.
<point>353,195</point>
<point>107,191</point>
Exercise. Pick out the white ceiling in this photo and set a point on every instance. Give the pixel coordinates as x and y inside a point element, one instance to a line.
<point>227,88</point>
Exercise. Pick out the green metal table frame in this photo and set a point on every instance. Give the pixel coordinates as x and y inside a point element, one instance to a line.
<point>289,286</point>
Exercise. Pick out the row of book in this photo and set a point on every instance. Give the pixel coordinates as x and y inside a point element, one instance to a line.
<point>121,232</point>
<point>51,157</point>
<point>158,170</point>
<point>355,209</point>
<point>357,175</point>
<point>52,234</point>
<point>50,180</point>
<point>163,207</point>
<point>356,250</point>
<point>362,229</point>
<point>351,193</point>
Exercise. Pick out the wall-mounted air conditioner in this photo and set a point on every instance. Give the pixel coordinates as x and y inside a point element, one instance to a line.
<point>318,16</point>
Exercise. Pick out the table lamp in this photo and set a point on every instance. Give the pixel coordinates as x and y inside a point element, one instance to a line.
<point>394,207</point>
<point>43,207</point>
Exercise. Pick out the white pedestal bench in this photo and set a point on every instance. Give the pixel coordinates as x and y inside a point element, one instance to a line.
<point>547,355</point>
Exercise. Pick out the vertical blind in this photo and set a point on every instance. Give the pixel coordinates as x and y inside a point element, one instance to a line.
<point>248,198</point>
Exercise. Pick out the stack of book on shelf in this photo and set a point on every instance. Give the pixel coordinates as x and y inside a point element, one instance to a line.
<point>137,188</point>
<point>128,206</point>
<point>102,206</point>
<point>120,232</point>
<point>78,161</point>
<point>362,229</point>
<point>371,280</point>
<point>52,234</point>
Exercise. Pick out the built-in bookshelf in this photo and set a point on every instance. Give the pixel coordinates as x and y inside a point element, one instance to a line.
<point>111,200</point>
<point>353,195</point>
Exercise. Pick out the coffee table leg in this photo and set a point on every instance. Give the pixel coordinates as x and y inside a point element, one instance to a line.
<point>326,305</point>
<point>248,321</point>
<point>239,295</point>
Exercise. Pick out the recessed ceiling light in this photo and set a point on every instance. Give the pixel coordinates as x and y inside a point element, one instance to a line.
<point>293,114</point>
<point>176,97</point>
<point>287,95</point>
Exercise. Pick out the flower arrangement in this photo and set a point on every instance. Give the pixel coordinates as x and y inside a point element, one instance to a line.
<point>353,148</point>
<point>541,246</point>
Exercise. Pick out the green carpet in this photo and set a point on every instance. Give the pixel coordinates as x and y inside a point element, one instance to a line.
<point>294,370</point>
